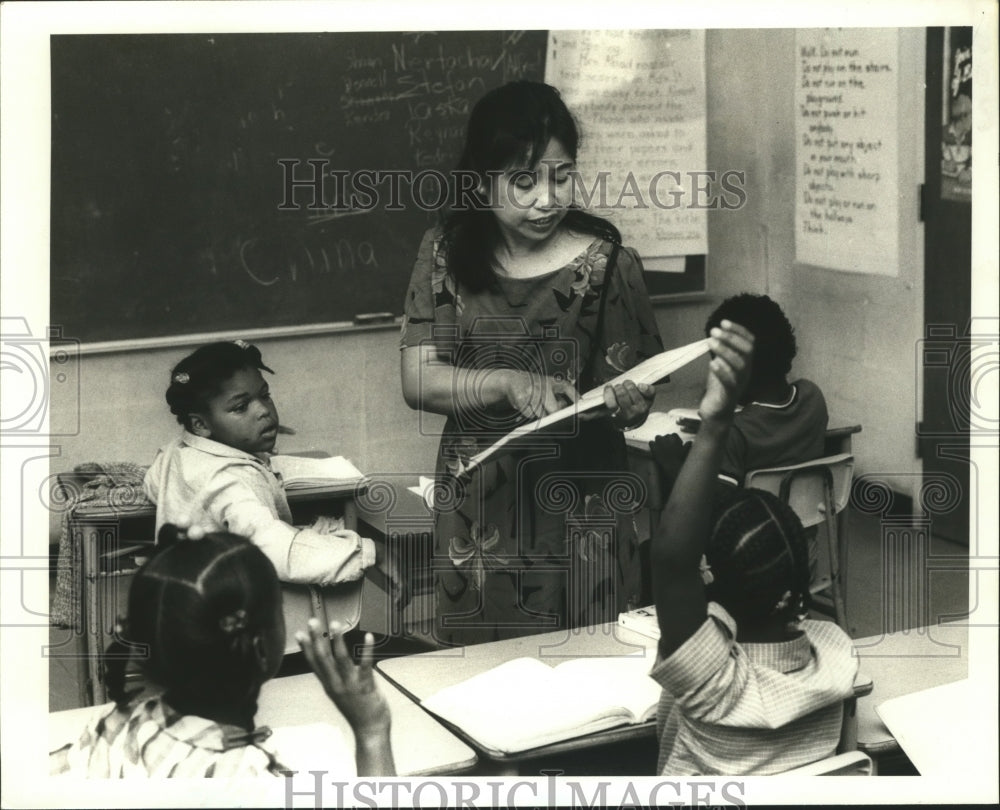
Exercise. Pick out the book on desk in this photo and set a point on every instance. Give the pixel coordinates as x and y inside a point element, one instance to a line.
<point>525,703</point>
<point>301,472</point>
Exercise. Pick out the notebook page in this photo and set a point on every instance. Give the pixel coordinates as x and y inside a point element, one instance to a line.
<point>523,704</point>
<point>623,679</point>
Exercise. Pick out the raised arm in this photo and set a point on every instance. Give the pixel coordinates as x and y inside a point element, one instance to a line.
<point>688,518</point>
<point>353,690</point>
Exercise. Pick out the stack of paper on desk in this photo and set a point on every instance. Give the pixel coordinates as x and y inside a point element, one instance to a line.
<point>525,703</point>
<point>642,621</point>
<point>298,472</point>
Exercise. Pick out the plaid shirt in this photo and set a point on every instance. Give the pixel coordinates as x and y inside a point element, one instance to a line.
<point>733,709</point>
<point>149,739</point>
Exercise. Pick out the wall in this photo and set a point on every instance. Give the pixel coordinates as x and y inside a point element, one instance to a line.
<point>856,333</point>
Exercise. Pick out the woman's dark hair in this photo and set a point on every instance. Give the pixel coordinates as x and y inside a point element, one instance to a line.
<point>196,378</point>
<point>774,339</point>
<point>509,126</point>
<point>757,553</point>
<point>198,613</point>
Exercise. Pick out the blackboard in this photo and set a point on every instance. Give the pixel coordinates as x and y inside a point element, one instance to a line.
<point>689,283</point>
<point>167,191</point>
<point>172,211</point>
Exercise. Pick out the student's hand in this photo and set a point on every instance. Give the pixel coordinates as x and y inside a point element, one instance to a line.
<point>535,396</point>
<point>350,686</point>
<point>728,371</point>
<point>669,453</point>
<point>628,403</point>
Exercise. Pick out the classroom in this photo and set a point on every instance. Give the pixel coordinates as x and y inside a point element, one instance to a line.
<point>828,169</point>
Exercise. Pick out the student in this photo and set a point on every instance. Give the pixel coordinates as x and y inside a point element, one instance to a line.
<point>205,626</point>
<point>748,687</point>
<point>518,303</point>
<point>217,474</point>
<point>778,422</point>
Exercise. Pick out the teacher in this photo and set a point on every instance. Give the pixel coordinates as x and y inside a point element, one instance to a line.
<point>517,304</point>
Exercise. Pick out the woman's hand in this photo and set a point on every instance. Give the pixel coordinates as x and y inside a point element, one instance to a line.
<point>628,403</point>
<point>535,396</point>
<point>728,371</point>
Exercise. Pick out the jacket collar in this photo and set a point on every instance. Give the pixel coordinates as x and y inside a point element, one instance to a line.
<point>224,450</point>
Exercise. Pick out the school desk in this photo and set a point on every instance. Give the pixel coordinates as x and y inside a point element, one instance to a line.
<point>110,538</point>
<point>935,727</point>
<point>903,663</point>
<point>421,745</point>
<point>420,676</point>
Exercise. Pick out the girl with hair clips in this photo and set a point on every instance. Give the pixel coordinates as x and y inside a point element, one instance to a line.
<point>217,474</point>
<point>205,626</point>
<point>749,686</point>
<point>516,305</point>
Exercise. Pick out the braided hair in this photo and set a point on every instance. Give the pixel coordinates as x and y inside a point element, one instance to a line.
<point>196,378</point>
<point>202,617</point>
<point>774,338</point>
<point>758,557</point>
<point>510,125</point>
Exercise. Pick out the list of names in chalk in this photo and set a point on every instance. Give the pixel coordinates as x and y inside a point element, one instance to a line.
<point>846,149</point>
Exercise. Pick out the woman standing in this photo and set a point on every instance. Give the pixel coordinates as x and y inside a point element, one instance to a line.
<point>516,306</point>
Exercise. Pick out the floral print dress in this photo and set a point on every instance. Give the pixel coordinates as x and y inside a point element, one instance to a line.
<point>541,536</point>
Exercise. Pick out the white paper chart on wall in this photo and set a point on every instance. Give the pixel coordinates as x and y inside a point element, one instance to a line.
<point>846,150</point>
<point>640,95</point>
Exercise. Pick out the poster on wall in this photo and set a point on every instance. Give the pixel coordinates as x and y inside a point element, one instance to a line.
<point>956,116</point>
<point>641,94</point>
<point>846,149</point>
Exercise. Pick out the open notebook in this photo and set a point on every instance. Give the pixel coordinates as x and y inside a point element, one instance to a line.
<point>525,703</point>
<point>299,472</point>
<point>648,371</point>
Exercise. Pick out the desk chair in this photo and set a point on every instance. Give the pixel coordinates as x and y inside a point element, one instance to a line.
<point>853,764</point>
<point>818,491</point>
<point>848,761</point>
<point>302,602</point>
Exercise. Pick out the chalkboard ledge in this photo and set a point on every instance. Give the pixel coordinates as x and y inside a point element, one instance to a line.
<point>307,330</point>
<point>253,335</point>
<point>668,299</point>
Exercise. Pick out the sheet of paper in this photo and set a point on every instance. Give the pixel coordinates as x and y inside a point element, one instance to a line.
<point>846,149</point>
<point>649,371</point>
<point>640,98</point>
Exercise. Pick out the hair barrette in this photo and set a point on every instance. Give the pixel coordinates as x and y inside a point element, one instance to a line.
<point>182,377</point>
<point>234,622</point>
<point>706,571</point>
<point>783,602</point>
<point>242,344</point>
<point>237,739</point>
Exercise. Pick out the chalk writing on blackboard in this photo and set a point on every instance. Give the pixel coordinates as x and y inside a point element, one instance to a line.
<point>168,183</point>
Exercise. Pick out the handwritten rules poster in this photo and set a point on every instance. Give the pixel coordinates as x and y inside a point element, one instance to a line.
<point>640,99</point>
<point>846,128</point>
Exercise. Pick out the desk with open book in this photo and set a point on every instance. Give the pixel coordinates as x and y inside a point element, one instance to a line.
<point>584,688</point>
